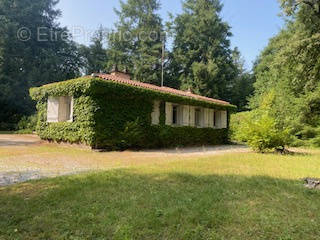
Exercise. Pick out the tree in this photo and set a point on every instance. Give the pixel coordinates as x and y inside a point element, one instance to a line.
<point>202,58</point>
<point>291,6</point>
<point>95,55</point>
<point>242,85</point>
<point>289,67</point>
<point>136,43</point>
<point>34,50</point>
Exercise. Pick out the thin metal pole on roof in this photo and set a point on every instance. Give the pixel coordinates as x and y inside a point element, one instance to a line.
<point>162,63</point>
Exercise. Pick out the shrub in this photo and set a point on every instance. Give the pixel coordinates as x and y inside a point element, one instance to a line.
<point>307,133</point>
<point>236,123</point>
<point>259,132</point>
<point>132,136</point>
<point>308,136</point>
<point>27,124</point>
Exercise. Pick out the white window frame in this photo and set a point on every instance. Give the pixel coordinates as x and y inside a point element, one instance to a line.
<point>56,111</point>
<point>186,116</point>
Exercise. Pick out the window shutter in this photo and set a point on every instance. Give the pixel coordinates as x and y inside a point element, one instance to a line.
<point>71,110</point>
<point>53,109</point>
<point>218,119</point>
<point>155,115</point>
<point>210,118</point>
<point>202,117</point>
<point>192,116</point>
<point>168,113</point>
<point>62,109</point>
<point>206,117</point>
<point>186,118</point>
<point>224,119</point>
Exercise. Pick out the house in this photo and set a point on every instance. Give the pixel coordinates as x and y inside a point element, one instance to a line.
<point>112,111</point>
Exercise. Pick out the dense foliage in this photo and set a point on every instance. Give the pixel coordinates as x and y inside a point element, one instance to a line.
<point>242,86</point>
<point>136,43</point>
<point>288,71</point>
<point>95,55</point>
<point>202,58</point>
<point>116,116</point>
<point>29,59</point>
<point>259,131</point>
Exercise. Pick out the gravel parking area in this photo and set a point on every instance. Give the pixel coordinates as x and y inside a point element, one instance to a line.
<point>7,140</point>
<point>26,157</point>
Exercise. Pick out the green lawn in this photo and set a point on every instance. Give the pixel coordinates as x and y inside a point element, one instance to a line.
<point>234,196</point>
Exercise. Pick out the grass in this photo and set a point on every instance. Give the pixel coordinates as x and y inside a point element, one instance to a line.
<point>232,196</point>
<point>7,132</point>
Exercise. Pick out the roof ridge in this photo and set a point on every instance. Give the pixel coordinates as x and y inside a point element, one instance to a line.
<point>158,88</point>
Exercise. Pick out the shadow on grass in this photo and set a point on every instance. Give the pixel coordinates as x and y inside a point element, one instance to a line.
<point>124,204</point>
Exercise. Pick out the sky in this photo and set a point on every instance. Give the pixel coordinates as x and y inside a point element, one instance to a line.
<point>253,22</point>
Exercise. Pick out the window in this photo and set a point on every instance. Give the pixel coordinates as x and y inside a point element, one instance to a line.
<point>220,119</point>
<point>60,109</point>
<point>215,123</point>
<point>175,115</point>
<point>224,119</point>
<point>155,115</point>
<point>198,117</point>
<point>168,113</point>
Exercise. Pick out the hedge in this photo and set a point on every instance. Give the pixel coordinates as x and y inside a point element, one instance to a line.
<point>115,116</point>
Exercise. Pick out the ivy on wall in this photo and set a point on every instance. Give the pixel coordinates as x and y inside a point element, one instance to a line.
<point>116,116</point>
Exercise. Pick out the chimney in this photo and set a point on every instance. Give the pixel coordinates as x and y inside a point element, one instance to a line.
<point>120,74</point>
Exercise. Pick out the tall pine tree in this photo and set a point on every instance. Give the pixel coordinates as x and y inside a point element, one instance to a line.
<point>135,44</point>
<point>202,58</point>
<point>242,85</point>
<point>95,55</point>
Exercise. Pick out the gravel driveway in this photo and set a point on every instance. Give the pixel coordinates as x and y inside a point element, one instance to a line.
<point>7,140</point>
<point>26,157</point>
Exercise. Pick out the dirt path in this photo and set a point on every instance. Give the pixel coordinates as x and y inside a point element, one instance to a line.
<point>25,157</point>
<point>18,140</point>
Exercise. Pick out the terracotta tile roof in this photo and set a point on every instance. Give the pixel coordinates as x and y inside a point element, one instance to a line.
<point>160,89</point>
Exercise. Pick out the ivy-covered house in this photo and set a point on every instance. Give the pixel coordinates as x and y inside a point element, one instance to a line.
<point>113,112</point>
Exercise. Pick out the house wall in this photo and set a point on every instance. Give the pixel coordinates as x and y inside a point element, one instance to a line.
<point>114,116</point>
<point>187,116</point>
<point>123,122</point>
<point>79,130</point>
<point>118,123</point>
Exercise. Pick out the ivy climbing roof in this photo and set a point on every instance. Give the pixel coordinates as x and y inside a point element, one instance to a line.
<point>137,84</point>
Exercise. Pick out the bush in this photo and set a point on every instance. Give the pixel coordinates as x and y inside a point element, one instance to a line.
<point>308,136</point>
<point>259,132</point>
<point>236,122</point>
<point>27,124</point>
<point>132,136</point>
